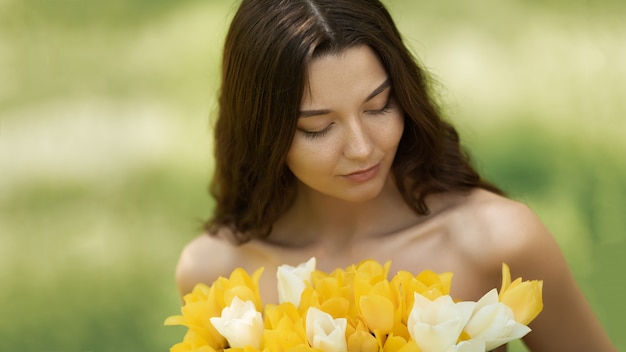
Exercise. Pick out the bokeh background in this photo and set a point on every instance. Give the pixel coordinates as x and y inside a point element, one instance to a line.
<point>105,148</point>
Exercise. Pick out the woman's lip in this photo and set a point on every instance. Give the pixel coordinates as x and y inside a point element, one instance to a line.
<point>363,175</point>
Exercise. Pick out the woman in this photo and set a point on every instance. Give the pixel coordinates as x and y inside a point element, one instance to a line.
<point>328,144</point>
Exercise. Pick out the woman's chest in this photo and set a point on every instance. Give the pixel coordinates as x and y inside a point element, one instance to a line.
<point>469,281</point>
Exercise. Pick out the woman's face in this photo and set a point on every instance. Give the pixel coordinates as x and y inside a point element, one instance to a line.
<point>349,127</point>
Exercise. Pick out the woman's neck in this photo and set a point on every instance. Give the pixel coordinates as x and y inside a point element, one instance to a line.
<point>317,219</point>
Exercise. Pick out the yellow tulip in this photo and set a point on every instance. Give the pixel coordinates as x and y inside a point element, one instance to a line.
<point>363,277</point>
<point>433,283</point>
<point>362,341</point>
<point>337,307</point>
<point>427,283</point>
<point>205,302</point>
<point>192,342</point>
<point>369,270</point>
<point>196,312</point>
<point>399,344</point>
<point>242,349</point>
<point>331,286</point>
<point>523,297</point>
<point>358,308</point>
<point>284,329</point>
<point>186,347</point>
<point>378,312</point>
<point>328,292</point>
<point>241,285</point>
<point>374,298</point>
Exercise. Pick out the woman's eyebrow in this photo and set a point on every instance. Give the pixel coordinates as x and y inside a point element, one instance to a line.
<point>386,84</point>
<point>309,113</point>
<point>381,88</point>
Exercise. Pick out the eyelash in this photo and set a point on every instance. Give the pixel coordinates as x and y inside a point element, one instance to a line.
<point>384,110</point>
<point>316,134</point>
<point>319,134</point>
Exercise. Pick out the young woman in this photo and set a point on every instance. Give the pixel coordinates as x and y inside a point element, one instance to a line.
<point>328,144</point>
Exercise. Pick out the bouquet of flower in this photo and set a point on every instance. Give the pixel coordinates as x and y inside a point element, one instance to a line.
<point>353,309</point>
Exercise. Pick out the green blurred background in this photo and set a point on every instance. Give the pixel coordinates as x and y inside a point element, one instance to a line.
<point>105,147</point>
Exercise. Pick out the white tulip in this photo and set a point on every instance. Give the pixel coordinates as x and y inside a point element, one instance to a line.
<point>494,322</point>
<point>325,333</point>
<point>292,281</point>
<point>468,346</point>
<point>436,325</point>
<point>241,324</point>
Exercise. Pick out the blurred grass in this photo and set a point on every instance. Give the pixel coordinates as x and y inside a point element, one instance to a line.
<point>105,149</point>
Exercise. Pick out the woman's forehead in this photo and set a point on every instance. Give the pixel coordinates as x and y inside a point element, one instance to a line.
<point>354,72</point>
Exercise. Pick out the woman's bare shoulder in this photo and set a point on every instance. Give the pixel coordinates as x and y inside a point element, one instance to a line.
<point>497,229</point>
<point>204,259</point>
<point>507,231</point>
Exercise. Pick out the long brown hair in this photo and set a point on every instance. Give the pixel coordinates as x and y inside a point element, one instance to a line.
<point>267,49</point>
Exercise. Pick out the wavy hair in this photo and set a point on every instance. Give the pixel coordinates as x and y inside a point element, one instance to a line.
<point>264,70</point>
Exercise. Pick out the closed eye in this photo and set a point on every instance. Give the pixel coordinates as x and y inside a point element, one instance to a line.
<point>384,110</point>
<point>316,134</point>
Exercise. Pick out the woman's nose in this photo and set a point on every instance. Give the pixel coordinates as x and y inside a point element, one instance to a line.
<point>357,142</point>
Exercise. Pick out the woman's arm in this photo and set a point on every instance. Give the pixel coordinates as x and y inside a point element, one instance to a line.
<point>567,322</point>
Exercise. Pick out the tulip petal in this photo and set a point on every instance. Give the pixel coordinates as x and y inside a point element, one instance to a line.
<point>523,297</point>
<point>362,341</point>
<point>291,281</point>
<point>436,325</point>
<point>378,312</point>
<point>241,324</point>
<point>325,333</point>
<point>470,346</point>
<point>494,322</point>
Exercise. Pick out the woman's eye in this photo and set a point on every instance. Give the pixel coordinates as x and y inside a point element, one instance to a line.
<point>316,134</point>
<point>385,109</point>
